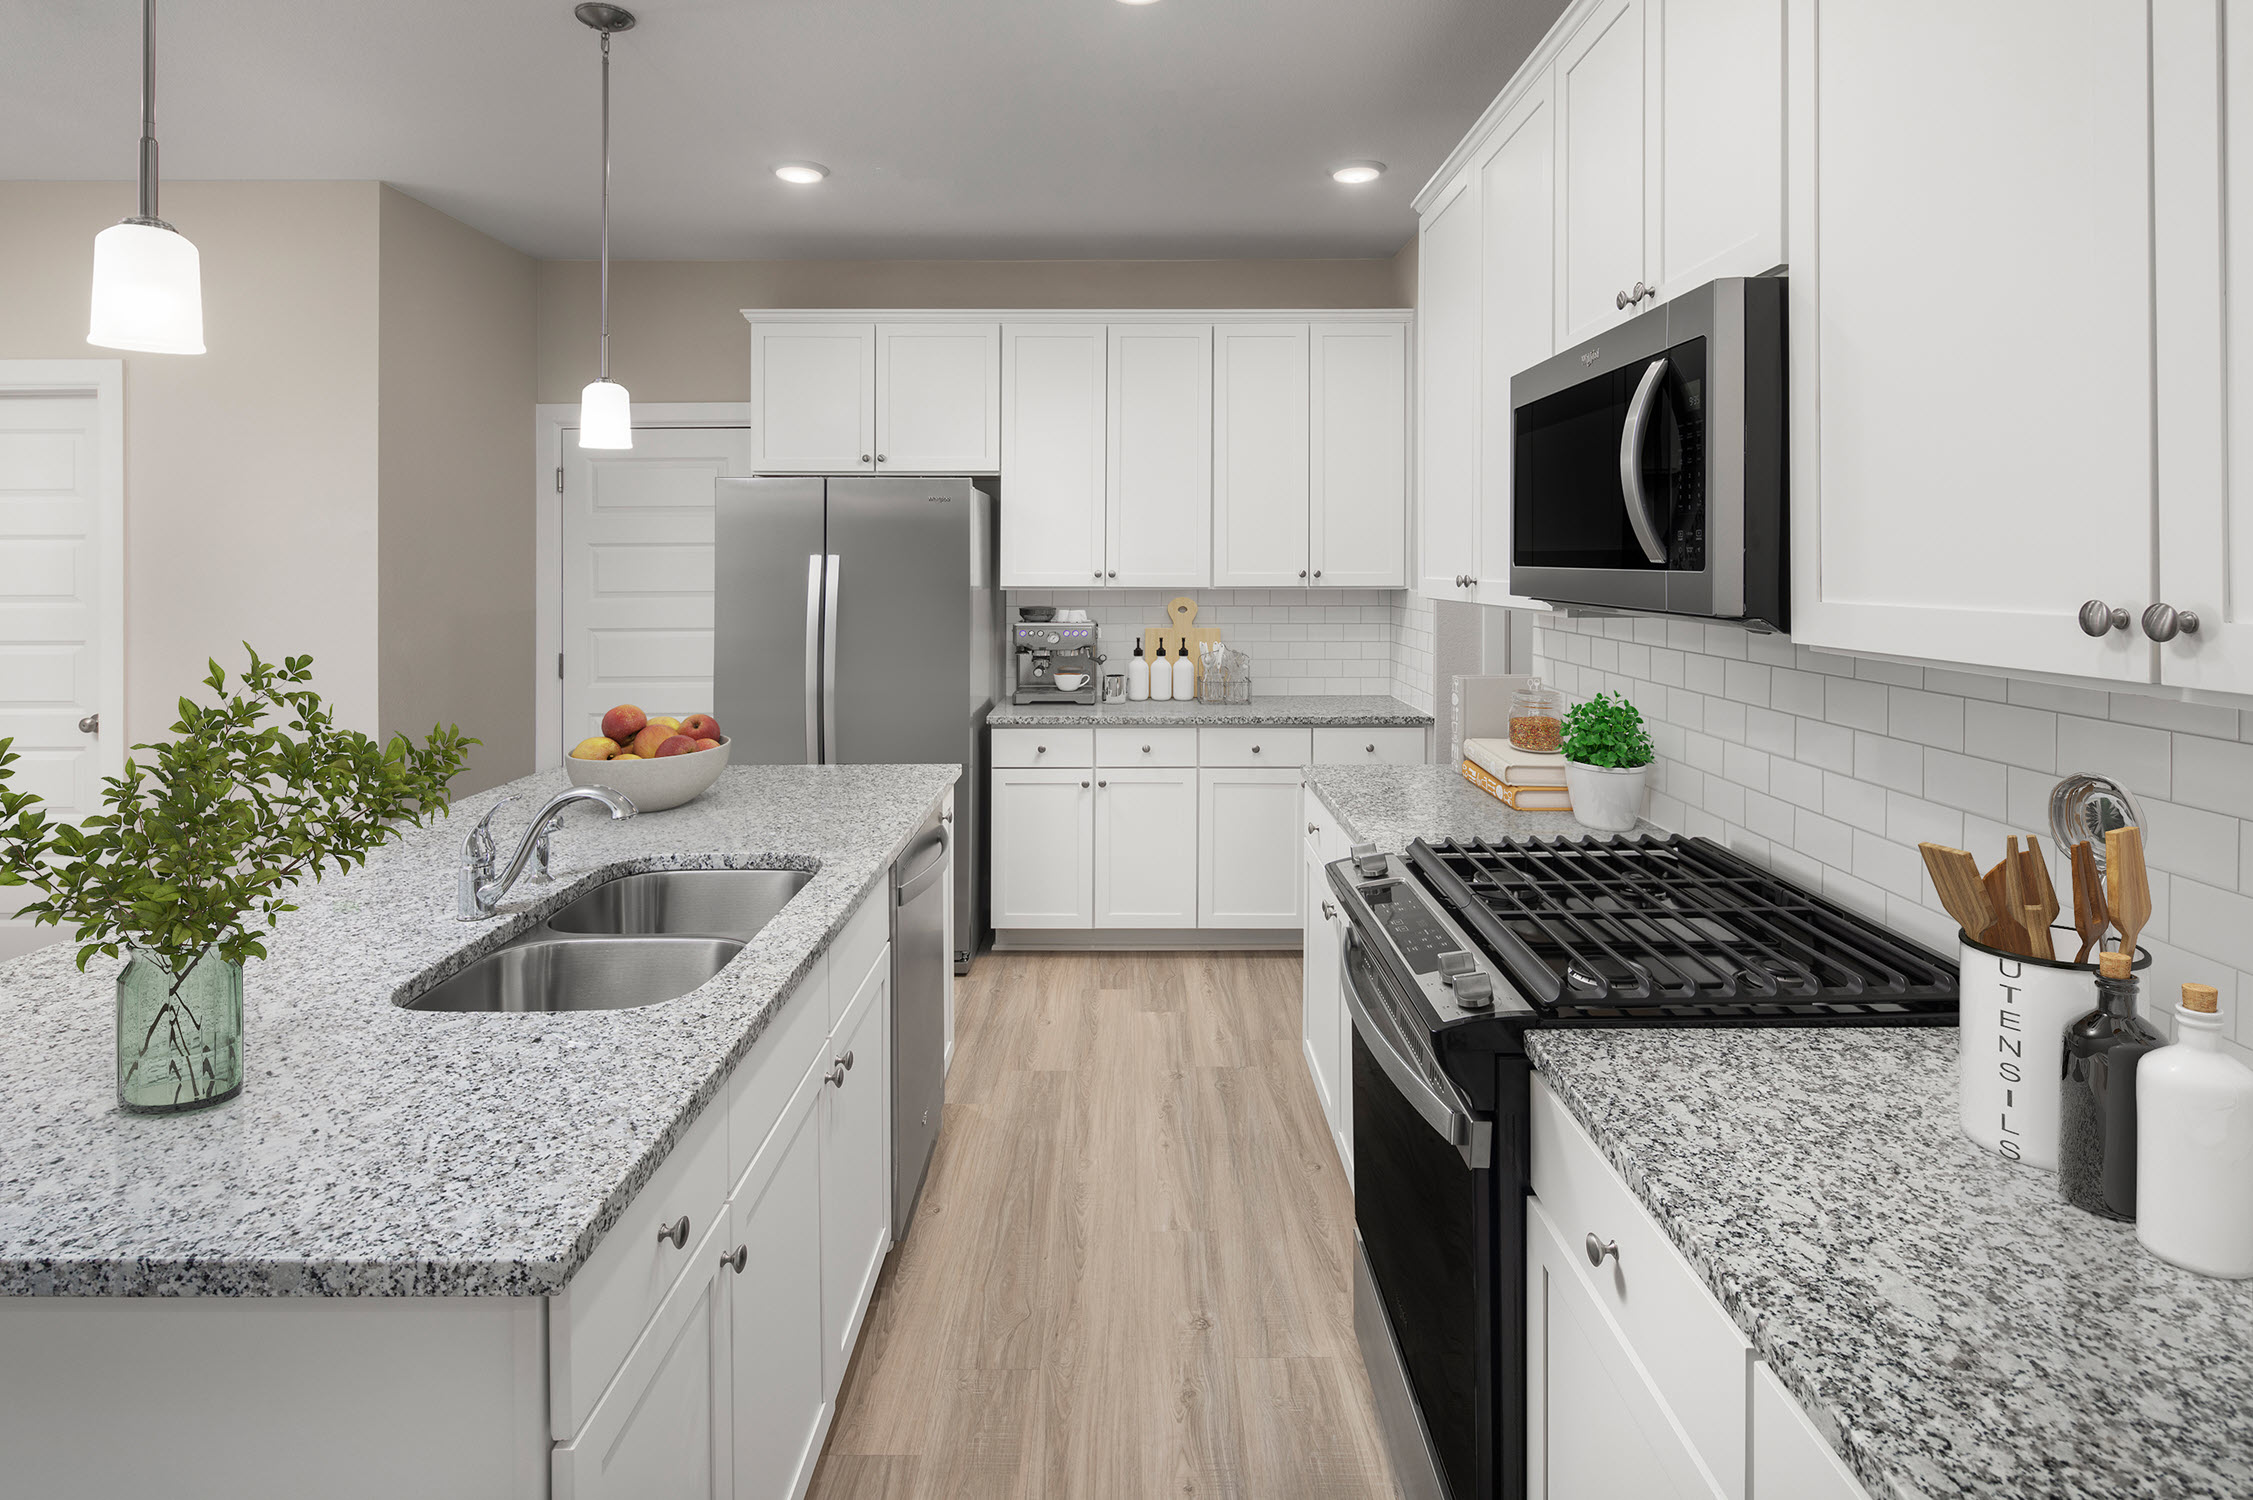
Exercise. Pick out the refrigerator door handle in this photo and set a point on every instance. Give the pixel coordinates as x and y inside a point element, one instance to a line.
<point>813,659</point>
<point>829,666</point>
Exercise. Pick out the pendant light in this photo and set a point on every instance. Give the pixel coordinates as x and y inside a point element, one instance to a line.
<point>148,280</point>
<point>605,410</point>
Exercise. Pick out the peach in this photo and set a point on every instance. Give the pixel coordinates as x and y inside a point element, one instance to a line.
<point>625,755</point>
<point>679,744</point>
<point>707,744</point>
<point>623,723</point>
<point>700,727</point>
<point>652,735</point>
<point>599,748</point>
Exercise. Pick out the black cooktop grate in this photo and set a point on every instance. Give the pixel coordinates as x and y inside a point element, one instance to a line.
<point>1677,931</point>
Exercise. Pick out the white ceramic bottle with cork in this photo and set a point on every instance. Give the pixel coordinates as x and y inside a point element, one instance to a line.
<point>2194,1146</point>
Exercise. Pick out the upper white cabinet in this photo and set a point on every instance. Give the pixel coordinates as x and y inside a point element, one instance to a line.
<point>813,398</point>
<point>938,398</point>
<point>1260,455</point>
<point>1601,171</point>
<point>1054,404</point>
<point>1517,269</point>
<point>1714,68</point>
<point>1158,495</point>
<point>1448,390</point>
<point>1357,461</point>
<point>875,398</point>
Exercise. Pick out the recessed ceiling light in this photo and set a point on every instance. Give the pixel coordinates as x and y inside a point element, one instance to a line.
<point>1138,2</point>
<point>801,171</point>
<point>1357,171</point>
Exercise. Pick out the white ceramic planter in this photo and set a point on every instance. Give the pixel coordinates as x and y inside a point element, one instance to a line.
<point>1608,800</point>
<point>2013,1012</point>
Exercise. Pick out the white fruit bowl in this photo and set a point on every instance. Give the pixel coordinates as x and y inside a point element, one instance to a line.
<point>654,785</point>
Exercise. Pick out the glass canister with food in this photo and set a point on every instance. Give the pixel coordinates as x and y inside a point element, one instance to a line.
<point>1537,718</point>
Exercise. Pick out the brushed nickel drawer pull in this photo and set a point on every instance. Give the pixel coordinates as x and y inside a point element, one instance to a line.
<point>677,1232</point>
<point>1598,1249</point>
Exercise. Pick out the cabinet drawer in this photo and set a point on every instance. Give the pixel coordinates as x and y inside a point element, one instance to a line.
<point>597,1317</point>
<point>1373,747</point>
<point>1126,745</point>
<point>1044,747</point>
<point>1696,1358</point>
<point>1254,747</point>
<point>863,937</point>
<point>761,1085</point>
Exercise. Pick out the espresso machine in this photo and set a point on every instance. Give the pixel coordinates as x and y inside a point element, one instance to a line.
<point>1057,662</point>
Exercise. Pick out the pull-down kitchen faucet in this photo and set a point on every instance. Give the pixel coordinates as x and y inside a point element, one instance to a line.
<point>479,892</point>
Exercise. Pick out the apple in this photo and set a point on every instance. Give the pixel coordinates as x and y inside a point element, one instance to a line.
<point>652,735</point>
<point>700,727</point>
<point>625,755</point>
<point>623,723</point>
<point>668,721</point>
<point>598,748</point>
<point>707,744</point>
<point>679,744</point>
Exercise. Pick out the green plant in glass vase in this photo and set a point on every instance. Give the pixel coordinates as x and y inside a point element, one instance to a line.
<point>195,855</point>
<point>1607,762</point>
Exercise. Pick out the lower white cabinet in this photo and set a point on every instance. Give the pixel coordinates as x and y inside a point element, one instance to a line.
<point>1326,1020</point>
<point>1248,866</point>
<point>856,1168</point>
<point>1145,846</point>
<point>1788,1454</point>
<point>780,1395</point>
<point>1043,846</point>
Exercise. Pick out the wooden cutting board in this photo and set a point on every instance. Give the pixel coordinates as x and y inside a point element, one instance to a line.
<point>1184,630</point>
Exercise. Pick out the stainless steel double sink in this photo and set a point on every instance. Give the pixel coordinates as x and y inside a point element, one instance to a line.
<point>636,940</point>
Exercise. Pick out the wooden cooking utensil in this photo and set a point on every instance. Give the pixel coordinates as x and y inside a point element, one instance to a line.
<point>2041,900</point>
<point>2090,914</point>
<point>2009,932</point>
<point>2037,934</point>
<point>2127,885</point>
<point>1955,875</point>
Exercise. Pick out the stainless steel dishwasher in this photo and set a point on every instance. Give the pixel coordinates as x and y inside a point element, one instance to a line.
<point>922,958</point>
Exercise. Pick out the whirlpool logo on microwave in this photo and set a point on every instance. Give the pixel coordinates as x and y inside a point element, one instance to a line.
<point>1591,356</point>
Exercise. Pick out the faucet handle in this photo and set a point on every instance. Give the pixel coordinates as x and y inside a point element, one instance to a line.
<point>479,846</point>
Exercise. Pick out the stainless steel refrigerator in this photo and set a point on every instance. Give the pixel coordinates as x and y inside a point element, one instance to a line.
<point>859,623</point>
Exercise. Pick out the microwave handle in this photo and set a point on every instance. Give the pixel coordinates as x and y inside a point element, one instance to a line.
<point>1631,461</point>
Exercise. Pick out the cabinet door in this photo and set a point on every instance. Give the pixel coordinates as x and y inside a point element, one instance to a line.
<point>813,398</point>
<point>779,1398</point>
<point>1716,91</point>
<point>856,1169</point>
<point>1951,499</point>
<point>1043,848</point>
<point>1595,1427</point>
<point>1146,847</point>
<point>1357,456</point>
<point>1600,162</point>
<point>1158,498</point>
<point>1518,308</point>
<point>1447,343</point>
<point>1249,841</point>
<point>938,398</point>
<point>1260,455</point>
<point>1319,996</point>
<point>1053,402</point>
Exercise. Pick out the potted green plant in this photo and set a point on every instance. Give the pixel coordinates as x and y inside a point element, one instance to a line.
<point>195,854</point>
<point>1607,762</point>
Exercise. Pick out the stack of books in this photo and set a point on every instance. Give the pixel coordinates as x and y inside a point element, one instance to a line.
<point>1523,779</point>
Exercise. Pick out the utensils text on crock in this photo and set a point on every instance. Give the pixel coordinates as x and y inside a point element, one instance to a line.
<point>2090,914</point>
<point>1955,876</point>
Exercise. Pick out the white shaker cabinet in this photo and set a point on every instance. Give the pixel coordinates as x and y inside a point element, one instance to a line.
<point>1158,489</point>
<point>1054,398</point>
<point>938,398</point>
<point>813,398</point>
<point>875,398</point>
<point>1448,391</point>
<point>1248,848</point>
<point>1518,298</point>
<point>774,1303</point>
<point>1357,460</point>
<point>1260,455</point>
<point>1715,95</point>
<point>1043,847</point>
<point>1145,846</point>
<point>1972,330</point>
<point>856,1172</point>
<point>1604,172</point>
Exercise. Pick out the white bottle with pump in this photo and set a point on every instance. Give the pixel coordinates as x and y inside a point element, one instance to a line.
<point>1138,676</point>
<point>2194,1146</point>
<point>1184,677</point>
<point>1161,677</point>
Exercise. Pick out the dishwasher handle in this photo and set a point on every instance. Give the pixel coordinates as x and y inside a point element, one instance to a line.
<point>905,891</point>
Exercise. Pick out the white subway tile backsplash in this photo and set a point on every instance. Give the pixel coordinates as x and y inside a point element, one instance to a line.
<point>2137,758</point>
<point>1830,746</point>
<point>1745,681</point>
<point>1725,641</point>
<point>1975,786</point>
<point>1703,751</point>
<point>1797,783</point>
<point>1796,693</point>
<point>1703,674</point>
<point>2215,774</point>
<point>1725,719</point>
<point>1745,766</point>
<point>1823,839</point>
<point>1768,816</point>
<point>1856,704</point>
<point>2093,702</point>
<point>1934,719</point>
<point>1897,674</point>
<point>1770,650</point>
<point>2167,713</point>
<point>2191,841</point>
<point>1767,730</point>
<point>1888,762</point>
<point>2022,736</point>
<point>1966,684</point>
<point>1910,821</point>
<point>1855,802</point>
<point>1829,663</point>
<point>1884,863</point>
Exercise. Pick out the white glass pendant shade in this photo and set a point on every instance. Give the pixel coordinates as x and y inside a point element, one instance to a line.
<point>605,416</point>
<point>148,291</point>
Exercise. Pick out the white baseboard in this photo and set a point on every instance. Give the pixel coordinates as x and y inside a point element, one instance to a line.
<point>1144,939</point>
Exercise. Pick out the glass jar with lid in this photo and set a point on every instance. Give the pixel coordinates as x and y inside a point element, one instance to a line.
<point>1537,718</point>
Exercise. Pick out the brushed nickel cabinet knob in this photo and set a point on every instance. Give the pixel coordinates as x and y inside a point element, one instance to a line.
<point>2097,617</point>
<point>1598,1249</point>
<point>2162,622</point>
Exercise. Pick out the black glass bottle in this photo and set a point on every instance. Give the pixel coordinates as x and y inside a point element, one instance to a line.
<point>2096,1126</point>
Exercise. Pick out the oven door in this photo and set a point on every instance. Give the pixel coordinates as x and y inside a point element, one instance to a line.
<point>1424,1212</point>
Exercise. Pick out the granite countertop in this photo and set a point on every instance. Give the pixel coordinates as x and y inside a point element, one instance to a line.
<point>378,1151</point>
<point>1392,806</point>
<point>1283,711</point>
<point>1950,1325</point>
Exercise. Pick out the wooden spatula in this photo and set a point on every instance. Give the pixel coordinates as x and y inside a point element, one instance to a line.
<point>2041,899</point>
<point>2009,931</point>
<point>2090,914</point>
<point>2127,885</point>
<point>1955,875</point>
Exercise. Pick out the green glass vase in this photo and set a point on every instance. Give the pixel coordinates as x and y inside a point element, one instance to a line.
<point>179,1039</point>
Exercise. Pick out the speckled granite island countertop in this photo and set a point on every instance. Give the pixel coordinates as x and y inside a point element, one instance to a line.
<point>378,1151</point>
<point>1284,711</point>
<point>1950,1325</point>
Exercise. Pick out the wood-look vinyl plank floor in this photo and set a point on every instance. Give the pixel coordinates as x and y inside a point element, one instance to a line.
<point>1129,1275</point>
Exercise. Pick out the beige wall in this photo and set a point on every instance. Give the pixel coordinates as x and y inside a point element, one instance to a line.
<point>454,464</point>
<point>677,334</point>
<point>250,483</point>
<point>1404,273</point>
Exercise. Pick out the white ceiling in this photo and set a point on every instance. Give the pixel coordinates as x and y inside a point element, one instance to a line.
<point>954,128</point>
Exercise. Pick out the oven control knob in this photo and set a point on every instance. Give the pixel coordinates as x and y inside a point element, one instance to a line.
<point>1455,963</point>
<point>1368,861</point>
<point>1474,991</point>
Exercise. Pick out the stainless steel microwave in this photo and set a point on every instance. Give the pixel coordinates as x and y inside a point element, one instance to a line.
<point>1648,465</point>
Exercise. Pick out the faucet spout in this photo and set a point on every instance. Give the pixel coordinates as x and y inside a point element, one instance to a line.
<point>481,891</point>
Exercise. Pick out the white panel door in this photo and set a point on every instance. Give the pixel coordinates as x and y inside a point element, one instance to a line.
<point>637,572</point>
<point>1600,166</point>
<point>1595,1426</point>
<point>1320,998</point>
<point>813,398</point>
<point>1158,499</point>
<point>1260,455</point>
<point>1054,408</point>
<point>1146,847</point>
<point>51,608</point>
<point>1043,848</point>
<point>1716,87</point>
<point>1357,456</point>
<point>1518,308</point>
<point>856,1169</point>
<point>779,1399</point>
<point>1249,841</point>
<point>1949,502</point>
<point>938,398</point>
<point>1447,344</point>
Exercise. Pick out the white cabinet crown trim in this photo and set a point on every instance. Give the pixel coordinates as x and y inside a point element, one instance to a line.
<point>1080,315</point>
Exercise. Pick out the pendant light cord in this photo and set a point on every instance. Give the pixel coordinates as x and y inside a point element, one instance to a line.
<point>605,274</point>
<point>148,213</point>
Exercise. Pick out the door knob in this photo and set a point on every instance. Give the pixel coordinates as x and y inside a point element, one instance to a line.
<point>91,724</point>
<point>2097,617</point>
<point>2162,622</point>
<point>1598,1249</point>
